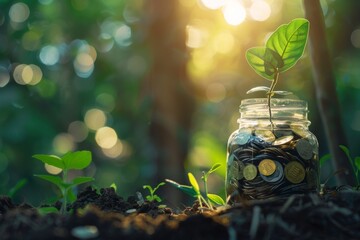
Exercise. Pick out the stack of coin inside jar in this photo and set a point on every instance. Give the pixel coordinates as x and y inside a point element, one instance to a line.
<point>279,161</point>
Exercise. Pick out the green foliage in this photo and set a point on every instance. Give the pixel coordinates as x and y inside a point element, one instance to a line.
<point>71,160</point>
<point>355,163</point>
<point>152,196</point>
<point>194,190</point>
<point>282,50</point>
<point>20,184</point>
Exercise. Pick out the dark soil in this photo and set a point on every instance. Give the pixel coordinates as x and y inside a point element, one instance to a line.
<point>105,215</point>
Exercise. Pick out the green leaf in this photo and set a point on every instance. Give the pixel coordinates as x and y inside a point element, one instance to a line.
<point>51,160</point>
<point>20,184</point>
<point>186,189</point>
<point>264,61</point>
<point>216,199</point>
<point>346,151</point>
<point>149,188</point>
<point>157,198</point>
<point>47,210</point>
<point>54,180</point>
<point>214,168</point>
<point>81,180</point>
<point>324,159</point>
<point>289,41</point>
<point>77,160</point>
<point>159,185</point>
<point>357,162</point>
<point>113,185</point>
<point>194,183</point>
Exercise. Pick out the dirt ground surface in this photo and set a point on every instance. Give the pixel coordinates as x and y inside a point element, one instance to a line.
<point>105,215</point>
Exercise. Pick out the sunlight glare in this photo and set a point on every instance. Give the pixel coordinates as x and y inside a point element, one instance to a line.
<point>260,10</point>
<point>234,12</point>
<point>224,42</point>
<point>194,37</point>
<point>213,4</point>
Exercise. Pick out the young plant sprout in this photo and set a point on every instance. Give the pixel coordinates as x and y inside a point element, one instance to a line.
<point>282,50</point>
<point>194,189</point>
<point>152,196</point>
<point>71,160</point>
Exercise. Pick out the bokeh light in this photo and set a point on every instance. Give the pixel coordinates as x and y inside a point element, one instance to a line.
<point>49,55</point>
<point>52,170</point>
<point>19,12</point>
<point>106,137</point>
<point>27,74</point>
<point>95,119</point>
<point>213,4</point>
<point>85,60</point>
<point>224,42</point>
<point>63,143</point>
<point>260,10</point>
<point>4,76</point>
<point>355,38</point>
<point>78,131</point>
<point>195,37</point>
<point>234,12</point>
<point>115,151</point>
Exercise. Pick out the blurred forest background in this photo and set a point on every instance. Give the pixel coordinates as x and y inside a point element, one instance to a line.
<point>150,87</point>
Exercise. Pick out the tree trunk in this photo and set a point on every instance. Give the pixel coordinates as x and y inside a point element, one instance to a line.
<point>325,91</point>
<point>170,92</point>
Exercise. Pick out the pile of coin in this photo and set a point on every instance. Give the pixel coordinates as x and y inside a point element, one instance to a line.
<point>263,163</point>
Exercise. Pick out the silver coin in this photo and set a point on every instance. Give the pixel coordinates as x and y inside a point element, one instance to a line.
<point>242,137</point>
<point>235,171</point>
<point>304,149</point>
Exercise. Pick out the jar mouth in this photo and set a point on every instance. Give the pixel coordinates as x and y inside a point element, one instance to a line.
<point>274,103</point>
<point>282,110</point>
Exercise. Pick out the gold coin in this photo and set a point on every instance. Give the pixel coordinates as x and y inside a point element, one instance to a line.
<point>266,135</point>
<point>304,149</point>
<point>267,167</point>
<point>283,140</point>
<point>294,172</point>
<point>250,172</point>
<point>300,131</point>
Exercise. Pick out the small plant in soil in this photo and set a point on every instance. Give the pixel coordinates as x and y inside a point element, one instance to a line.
<point>71,160</point>
<point>282,50</point>
<point>194,190</point>
<point>152,196</point>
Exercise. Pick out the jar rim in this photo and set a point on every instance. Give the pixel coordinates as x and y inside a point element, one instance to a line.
<point>274,101</point>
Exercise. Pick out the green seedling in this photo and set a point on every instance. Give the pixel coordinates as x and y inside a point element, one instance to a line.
<point>194,190</point>
<point>20,184</point>
<point>72,160</point>
<point>152,196</point>
<point>354,162</point>
<point>282,50</point>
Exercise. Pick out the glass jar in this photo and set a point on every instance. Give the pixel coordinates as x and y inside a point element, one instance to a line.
<point>277,157</point>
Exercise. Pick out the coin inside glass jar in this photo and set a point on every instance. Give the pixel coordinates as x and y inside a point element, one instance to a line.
<point>267,167</point>
<point>276,176</point>
<point>250,172</point>
<point>304,149</point>
<point>283,140</point>
<point>294,172</point>
<point>266,135</point>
